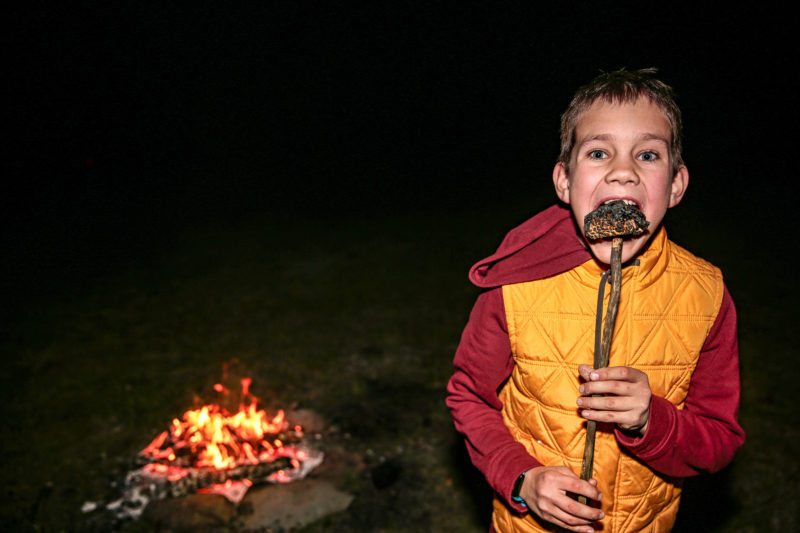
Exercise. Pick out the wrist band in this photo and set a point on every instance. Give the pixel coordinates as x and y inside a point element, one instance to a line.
<point>515,497</point>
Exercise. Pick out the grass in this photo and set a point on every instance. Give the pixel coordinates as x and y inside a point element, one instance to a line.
<point>356,317</point>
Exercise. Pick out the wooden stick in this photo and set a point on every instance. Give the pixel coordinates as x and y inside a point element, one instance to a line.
<point>601,358</point>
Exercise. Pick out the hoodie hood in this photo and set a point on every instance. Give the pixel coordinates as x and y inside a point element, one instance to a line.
<point>542,246</point>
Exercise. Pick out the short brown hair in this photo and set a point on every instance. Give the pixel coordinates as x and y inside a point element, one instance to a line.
<point>623,86</point>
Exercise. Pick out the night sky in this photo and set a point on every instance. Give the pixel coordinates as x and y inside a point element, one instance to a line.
<point>128,120</point>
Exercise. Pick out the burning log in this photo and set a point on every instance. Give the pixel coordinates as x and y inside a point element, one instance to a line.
<point>163,481</point>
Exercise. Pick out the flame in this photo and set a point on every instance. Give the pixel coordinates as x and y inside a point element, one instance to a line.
<point>210,437</point>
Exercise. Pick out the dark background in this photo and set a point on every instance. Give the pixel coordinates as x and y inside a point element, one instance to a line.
<point>128,121</point>
<point>128,126</point>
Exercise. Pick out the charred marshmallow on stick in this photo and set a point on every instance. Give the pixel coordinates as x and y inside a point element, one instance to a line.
<point>617,218</point>
<point>614,220</point>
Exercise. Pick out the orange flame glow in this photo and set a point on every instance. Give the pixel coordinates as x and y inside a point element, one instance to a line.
<point>210,437</point>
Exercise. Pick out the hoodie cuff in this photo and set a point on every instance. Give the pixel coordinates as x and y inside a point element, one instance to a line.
<point>509,475</point>
<point>661,428</point>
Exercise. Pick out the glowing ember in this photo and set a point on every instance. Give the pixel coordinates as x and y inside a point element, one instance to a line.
<point>211,437</point>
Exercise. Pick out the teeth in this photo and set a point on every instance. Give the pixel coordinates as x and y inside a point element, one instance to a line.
<point>626,202</point>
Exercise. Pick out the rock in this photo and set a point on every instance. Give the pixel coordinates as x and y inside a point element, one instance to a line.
<point>195,512</point>
<point>293,505</point>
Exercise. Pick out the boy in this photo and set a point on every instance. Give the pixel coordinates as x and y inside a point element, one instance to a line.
<point>667,404</point>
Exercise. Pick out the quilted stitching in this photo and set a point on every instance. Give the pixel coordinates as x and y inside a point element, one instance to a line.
<point>660,329</point>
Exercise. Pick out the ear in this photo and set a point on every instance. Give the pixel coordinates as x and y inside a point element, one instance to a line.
<point>680,181</point>
<point>561,182</point>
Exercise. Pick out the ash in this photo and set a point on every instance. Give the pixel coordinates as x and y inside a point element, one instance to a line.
<point>155,481</point>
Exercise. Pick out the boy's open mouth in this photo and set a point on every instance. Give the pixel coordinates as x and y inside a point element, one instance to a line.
<point>626,201</point>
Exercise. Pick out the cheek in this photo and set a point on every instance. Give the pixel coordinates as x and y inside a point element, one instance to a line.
<point>580,191</point>
<point>660,204</point>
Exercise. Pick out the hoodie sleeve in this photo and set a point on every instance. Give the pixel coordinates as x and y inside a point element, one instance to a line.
<point>705,434</point>
<point>483,363</point>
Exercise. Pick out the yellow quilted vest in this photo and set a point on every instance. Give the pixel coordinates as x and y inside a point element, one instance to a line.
<point>668,303</point>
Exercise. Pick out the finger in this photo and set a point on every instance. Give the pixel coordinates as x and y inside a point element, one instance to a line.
<point>563,525</point>
<point>579,528</point>
<point>608,417</point>
<point>562,480</point>
<point>625,419</point>
<point>565,520</point>
<point>620,388</point>
<point>584,488</point>
<point>605,403</point>
<point>575,513</point>
<point>585,371</point>
<point>617,373</point>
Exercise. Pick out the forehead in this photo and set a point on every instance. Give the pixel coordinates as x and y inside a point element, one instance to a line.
<point>641,118</point>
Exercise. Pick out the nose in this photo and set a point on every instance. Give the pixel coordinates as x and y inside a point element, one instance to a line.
<point>623,172</point>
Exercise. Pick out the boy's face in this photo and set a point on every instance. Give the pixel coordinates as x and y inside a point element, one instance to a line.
<point>621,152</point>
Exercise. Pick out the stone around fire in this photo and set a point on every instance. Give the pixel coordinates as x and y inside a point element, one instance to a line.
<point>195,512</point>
<point>293,505</point>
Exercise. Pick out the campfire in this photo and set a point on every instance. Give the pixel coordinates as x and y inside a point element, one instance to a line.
<point>210,449</point>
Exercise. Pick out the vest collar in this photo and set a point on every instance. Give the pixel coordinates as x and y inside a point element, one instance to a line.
<point>645,268</point>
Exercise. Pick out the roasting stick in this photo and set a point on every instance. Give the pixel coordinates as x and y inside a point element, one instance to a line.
<point>614,220</point>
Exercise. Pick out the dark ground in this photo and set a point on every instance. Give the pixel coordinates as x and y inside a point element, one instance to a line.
<point>301,192</point>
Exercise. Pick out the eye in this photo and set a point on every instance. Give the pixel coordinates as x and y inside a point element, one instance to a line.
<point>597,154</point>
<point>648,156</point>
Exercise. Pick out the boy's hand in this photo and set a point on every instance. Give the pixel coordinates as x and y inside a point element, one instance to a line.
<point>626,401</point>
<point>545,491</point>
